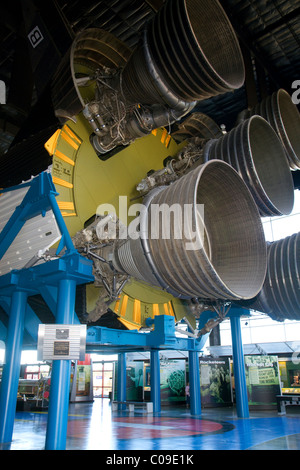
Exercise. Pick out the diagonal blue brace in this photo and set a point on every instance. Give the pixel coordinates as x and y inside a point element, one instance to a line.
<point>242,406</point>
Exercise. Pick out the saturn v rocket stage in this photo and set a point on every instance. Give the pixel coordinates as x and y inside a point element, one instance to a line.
<point>171,219</point>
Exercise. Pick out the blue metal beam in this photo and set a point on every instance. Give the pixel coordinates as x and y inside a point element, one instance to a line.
<point>121,377</point>
<point>71,266</point>
<point>194,381</point>
<point>162,337</point>
<point>5,304</point>
<point>40,198</point>
<point>155,380</point>
<point>34,203</point>
<point>31,321</point>
<point>239,363</point>
<point>3,331</point>
<point>49,294</point>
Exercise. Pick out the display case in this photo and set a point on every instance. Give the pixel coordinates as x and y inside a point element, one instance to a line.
<point>33,394</point>
<point>289,376</point>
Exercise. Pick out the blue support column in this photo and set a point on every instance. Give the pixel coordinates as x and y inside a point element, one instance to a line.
<point>239,367</point>
<point>11,370</point>
<point>155,380</point>
<point>194,381</point>
<point>121,386</point>
<point>60,379</point>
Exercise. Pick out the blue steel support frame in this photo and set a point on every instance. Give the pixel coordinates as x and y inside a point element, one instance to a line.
<point>56,281</point>
<point>11,370</point>
<point>155,380</point>
<point>242,405</point>
<point>162,336</point>
<point>194,381</point>
<point>61,275</point>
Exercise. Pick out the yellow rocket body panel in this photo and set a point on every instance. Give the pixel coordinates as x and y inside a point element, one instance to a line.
<point>84,182</point>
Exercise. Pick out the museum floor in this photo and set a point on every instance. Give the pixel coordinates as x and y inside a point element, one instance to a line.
<point>93,426</point>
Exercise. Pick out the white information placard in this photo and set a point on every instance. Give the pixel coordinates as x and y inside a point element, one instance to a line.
<point>57,342</point>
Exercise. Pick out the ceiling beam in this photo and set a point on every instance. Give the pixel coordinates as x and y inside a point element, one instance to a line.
<point>262,58</point>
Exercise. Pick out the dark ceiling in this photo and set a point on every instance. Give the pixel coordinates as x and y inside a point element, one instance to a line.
<point>268,30</point>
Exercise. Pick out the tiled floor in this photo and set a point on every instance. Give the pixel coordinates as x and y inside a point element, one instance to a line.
<point>93,426</point>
